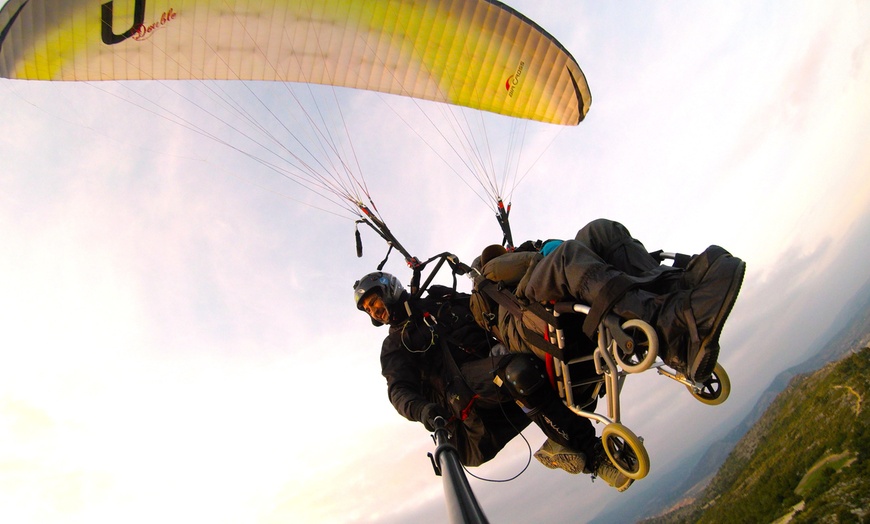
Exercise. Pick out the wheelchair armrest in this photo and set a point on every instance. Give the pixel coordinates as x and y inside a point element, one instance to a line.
<point>570,307</point>
<point>680,260</point>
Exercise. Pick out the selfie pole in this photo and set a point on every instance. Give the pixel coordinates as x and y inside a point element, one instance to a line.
<point>462,506</point>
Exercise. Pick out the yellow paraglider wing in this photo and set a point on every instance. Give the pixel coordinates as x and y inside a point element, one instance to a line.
<point>475,53</point>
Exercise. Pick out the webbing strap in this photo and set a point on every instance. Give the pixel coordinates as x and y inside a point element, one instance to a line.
<point>510,301</point>
<point>463,415</point>
<point>544,345</point>
<point>612,291</point>
<point>454,368</point>
<point>491,289</point>
<point>519,311</point>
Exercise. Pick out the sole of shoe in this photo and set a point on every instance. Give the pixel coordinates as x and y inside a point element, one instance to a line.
<point>705,361</point>
<point>571,462</point>
<point>614,482</point>
<point>625,486</point>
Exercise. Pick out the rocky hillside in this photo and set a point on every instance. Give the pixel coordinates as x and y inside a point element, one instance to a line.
<point>807,459</point>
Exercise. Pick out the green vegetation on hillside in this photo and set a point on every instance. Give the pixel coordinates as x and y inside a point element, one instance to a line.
<point>810,450</point>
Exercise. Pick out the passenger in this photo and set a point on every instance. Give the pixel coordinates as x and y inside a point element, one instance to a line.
<point>612,272</point>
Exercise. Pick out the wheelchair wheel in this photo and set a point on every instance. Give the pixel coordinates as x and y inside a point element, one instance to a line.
<point>715,389</point>
<point>625,450</point>
<point>646,347</point>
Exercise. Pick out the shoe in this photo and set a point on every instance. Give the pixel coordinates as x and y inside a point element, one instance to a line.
<point>691,321</point>
<point>556,456</point>
<point>711,301</point>
<point>699,265</point>
<point>604,469</point>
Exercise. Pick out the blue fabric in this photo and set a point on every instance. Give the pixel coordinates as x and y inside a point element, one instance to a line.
<point>549,246</point>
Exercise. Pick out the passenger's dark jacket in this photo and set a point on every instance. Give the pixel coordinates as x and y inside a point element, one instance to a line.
<point>418,371</point>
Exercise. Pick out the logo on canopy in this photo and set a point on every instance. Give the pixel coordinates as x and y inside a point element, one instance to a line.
<point>143,31</point>
<point>138,30</point>
<point>513,81</point>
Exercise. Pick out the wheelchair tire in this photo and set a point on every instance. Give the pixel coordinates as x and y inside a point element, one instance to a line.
<point>716,388</point>
<point>625,450</point>
<point>647,348</point>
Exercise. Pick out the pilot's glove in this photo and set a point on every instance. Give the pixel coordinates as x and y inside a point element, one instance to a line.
<point>432,410</point>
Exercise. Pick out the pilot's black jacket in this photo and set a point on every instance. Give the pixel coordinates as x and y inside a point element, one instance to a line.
<point>415,362</point>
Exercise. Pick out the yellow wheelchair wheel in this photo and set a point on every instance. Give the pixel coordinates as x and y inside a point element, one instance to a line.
<point>715,389</point>
<point>625,450</point>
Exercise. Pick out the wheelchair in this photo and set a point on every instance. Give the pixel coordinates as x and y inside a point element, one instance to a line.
<point>597,369</point>
<point>588,370</point>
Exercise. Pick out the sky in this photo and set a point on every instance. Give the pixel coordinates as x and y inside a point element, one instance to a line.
<point>177,337</point>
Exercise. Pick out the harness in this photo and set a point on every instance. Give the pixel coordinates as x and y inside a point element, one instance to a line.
<point>463,389</point>
<point>526,313</point>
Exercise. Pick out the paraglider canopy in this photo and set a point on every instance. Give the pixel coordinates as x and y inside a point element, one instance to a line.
<point>478,54</point>
<point>475,53</point>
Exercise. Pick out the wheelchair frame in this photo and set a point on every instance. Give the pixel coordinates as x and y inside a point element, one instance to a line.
<point>620,351</point>
<point>624,448</point>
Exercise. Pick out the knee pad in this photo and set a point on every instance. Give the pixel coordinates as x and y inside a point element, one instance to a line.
<point>525,377</point>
